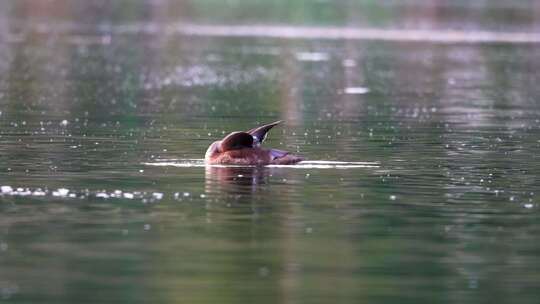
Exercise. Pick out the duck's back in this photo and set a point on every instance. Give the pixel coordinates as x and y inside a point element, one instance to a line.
<point>243,157</point>
<point>255,157</point>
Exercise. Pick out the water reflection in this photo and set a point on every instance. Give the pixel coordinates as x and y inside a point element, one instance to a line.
<point>439,193</point>
<point>235,179</point>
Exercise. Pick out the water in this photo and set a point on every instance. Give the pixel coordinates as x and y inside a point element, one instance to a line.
<point>420,185</point>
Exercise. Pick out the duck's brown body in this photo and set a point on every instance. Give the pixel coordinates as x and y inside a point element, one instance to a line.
<point>253,156</point>
<point>243,149</point>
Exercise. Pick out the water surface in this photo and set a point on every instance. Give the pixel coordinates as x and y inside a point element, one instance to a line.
<point>422,185</point>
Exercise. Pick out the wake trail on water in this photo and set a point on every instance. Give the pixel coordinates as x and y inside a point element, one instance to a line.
<point>311,164</point>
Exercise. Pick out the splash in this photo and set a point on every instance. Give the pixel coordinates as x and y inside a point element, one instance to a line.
<point>313,164</point>
<point>64,193</point>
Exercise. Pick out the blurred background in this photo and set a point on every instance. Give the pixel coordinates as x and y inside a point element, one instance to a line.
<point>107,108</point>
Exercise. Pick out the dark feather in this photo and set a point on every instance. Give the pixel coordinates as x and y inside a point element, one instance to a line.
<point>259,133</point>
<point>235,141</point>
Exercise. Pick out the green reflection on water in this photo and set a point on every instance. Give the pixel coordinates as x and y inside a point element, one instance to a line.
<point>449,216</point>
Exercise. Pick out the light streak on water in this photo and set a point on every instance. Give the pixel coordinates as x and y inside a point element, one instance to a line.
<point>103,35</point>
<point>313,164</point>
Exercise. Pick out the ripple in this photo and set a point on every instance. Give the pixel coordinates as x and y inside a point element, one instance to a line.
<point>312,164</point>
<point>289,32</point>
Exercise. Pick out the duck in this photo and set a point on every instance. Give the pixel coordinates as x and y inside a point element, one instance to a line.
<point>244,149</point>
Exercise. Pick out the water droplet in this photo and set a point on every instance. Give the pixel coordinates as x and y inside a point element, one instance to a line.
<point>356,90</point>
<point>102,195</point>
<point>313,56</point>
<point>61,192</point>
<point>6,189</point>
<point>264,271</point>
<point>349,63</point>
<point>38,192</point>
<point>128,195</point>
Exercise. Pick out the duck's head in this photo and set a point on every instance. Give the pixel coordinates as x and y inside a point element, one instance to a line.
<point>212,151</point>
<point>233,141</point>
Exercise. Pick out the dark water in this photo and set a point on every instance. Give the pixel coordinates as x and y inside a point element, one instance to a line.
<point>99,126</point>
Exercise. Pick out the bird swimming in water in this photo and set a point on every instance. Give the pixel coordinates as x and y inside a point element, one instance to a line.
<point>244,149</point>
